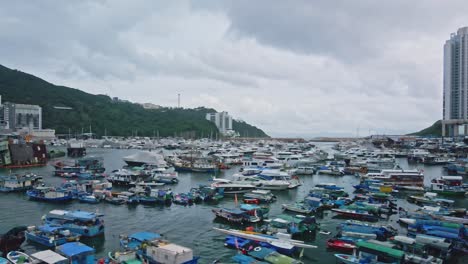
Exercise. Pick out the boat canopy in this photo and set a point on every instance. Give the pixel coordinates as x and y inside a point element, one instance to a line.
<point>234,211</point>
<point>142,236</point>
<point>249,207</point>
<point>79,215</point>
<point>451,178</point>
<point>74,248</point>
<point>49,257</point>
<point>49,228</point>
<point>380,249</point>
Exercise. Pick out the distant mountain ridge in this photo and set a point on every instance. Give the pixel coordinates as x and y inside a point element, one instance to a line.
<point>104,115</point>
<point>434,130</point>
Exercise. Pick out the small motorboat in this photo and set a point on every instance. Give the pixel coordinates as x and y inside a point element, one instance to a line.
<point>340,245</point>
<point>18,257</point>
<point>90,199</point>
<point>347,259</point>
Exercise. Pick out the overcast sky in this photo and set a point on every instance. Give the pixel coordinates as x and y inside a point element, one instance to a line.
<point>292,68</point>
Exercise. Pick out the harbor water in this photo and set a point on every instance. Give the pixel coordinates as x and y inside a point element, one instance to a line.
<point>189,226</point>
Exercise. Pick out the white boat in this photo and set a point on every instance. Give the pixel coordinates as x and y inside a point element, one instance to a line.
<point>230,187</point>
<point>399,177</point>
<point>304,171</point>
<point>19,257</point>
<point>281,241</point>
<point>145,158</point>
<point>261,183</point>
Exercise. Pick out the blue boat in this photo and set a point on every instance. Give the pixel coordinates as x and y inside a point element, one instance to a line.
<point>4,261</point>
<point>49,194</point>
<point>88,198</point>
<point>77,253</point>
<point>134,241</point>
<point>50,236</point>
<point>86,224</point>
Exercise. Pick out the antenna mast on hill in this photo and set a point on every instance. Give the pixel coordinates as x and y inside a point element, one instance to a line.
<point>178,100</point>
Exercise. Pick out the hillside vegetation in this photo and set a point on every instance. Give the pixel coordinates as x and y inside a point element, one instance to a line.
<point>103,115</point>
<point>434,130</point>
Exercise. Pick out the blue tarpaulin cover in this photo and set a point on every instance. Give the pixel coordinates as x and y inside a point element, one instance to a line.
<point>49,228</point>
<point>74,248</point>
<point>142,236</point>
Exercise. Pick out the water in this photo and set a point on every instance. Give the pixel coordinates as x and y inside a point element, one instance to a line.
<point>189,226</point>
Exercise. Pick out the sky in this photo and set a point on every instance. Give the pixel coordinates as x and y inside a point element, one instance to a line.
<point>292,68</point>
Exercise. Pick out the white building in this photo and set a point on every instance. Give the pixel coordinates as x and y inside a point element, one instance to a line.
<point>222,120</point>
<point>20,116</point>
<point>455,96</point>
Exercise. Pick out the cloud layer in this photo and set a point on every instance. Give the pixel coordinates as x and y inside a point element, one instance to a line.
<point>293,68</point>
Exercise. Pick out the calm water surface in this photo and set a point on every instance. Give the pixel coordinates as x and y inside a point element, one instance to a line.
<point>189,226</point>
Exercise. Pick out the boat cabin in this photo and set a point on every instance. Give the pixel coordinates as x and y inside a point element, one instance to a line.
<point>77,253</point>
<point>376,252</point>
<point>48,257</point>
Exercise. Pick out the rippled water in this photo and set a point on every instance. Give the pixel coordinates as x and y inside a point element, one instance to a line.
<point>189,226</point>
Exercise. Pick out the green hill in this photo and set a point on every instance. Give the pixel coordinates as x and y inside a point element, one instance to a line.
<point>434,130</point>
<point>104,114</point>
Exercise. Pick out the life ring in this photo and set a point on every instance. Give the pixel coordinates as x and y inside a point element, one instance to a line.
<point>257,249</point>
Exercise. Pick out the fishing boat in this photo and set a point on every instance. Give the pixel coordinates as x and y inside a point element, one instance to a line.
<point>340,245</point>
<point>115,200</point>
<point>18,257</point>
<point>49,194</point>
<point>356,214</point>
<point>50,236</point>
<point>430,198</point>
<point>126,177</point>
<point>262,196</point>
<point>135,240</point>
<point>372,253</point>
<point>236,216</point>
<point>261,182</point>
<point>18,183</point>
<point>399,178</point>
<point>77,253</point>
<point>449,186</point>
<point>297,226</point>
<point>84,223</point>
<point>207,194</point>
<point>124,257</point>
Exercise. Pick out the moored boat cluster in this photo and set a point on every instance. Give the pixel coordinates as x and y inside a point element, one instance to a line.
<point>390,213</point>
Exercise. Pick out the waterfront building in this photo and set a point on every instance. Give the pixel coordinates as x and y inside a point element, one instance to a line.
<point>222,120</point>
<point>455,96</point>
<point>20,116</point>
